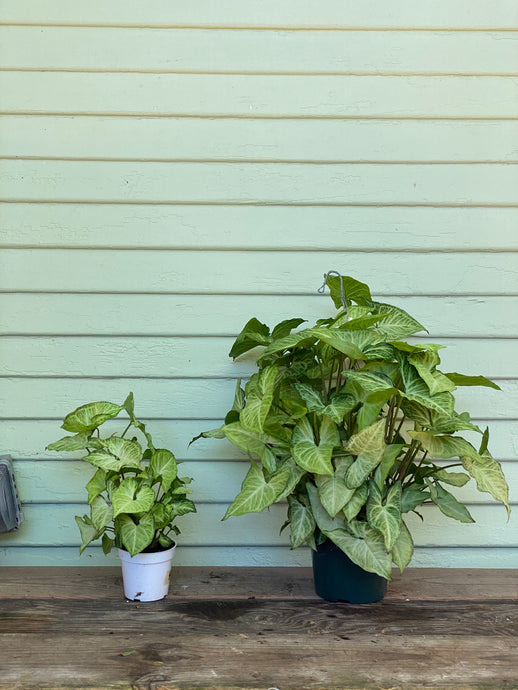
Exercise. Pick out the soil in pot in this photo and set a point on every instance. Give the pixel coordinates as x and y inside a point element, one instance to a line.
<point>337,578</point>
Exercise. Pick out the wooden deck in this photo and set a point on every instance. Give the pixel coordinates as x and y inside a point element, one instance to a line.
<point>244,628</point>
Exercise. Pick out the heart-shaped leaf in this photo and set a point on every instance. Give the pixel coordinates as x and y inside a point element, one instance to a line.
<point>310,455</point>
<point>256,494</point>
<point>136,536</point>
<point>130,498</point>
<point>128,452</point>
<point>163,464</point>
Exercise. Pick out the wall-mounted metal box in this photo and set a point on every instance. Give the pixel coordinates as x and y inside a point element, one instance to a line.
<point>10,507</point>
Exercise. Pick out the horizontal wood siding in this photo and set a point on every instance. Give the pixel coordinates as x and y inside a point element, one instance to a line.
<point>168,170</point>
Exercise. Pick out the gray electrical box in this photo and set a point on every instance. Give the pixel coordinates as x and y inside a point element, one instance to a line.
<point>10,508</point>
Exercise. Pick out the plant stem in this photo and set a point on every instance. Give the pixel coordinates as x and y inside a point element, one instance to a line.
<point>408,459</point>
<point>125,430</point>
<point>398,429</point>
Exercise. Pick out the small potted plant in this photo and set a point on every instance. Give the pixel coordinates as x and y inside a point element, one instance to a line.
<point>135,496</point>
<point>349,422</point>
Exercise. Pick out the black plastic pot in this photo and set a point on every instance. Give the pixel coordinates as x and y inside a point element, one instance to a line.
<point>337,578</point>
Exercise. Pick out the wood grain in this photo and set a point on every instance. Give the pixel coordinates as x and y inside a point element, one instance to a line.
<point>286,584</point>
<point>253,628</point>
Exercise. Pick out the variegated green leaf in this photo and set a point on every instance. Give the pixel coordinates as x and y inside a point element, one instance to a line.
<point>488,474</point>
<point>253,443</point>
<point>88,417</point>
<point>413,496</point>
<point>453,478</point>
<point>416,390</point>
<point>130,498</point>
<point>163,464</point>
<point>322,517</point>
<point>293,474</point>
<point>302,522</point>
<point>369,553</point>
<point>350,343</point>
<point>403,549</point>
<point>254,333</point>
<point>369,446</point>
<point>397,324</point>
<point>128,452</point>
<point>259,398</point>
<point>285,327</point>
<point>101,513</point>
<point>448,504</point>
<point>309,455</point>
<point>354,290</point>
<point>356,502</point>
<point>96,485</point>
<point>385,515</point>
<point>256,494</point>
<point>293,340</point>
<point>390,455</point>
<point>106,461</point>
<point>88,532</point>
<point>371,381</point>
<point>425,363</point>
<point>136,536</point>
<point>444,446</point>
<point>333,492</point>
<point>70,443</point>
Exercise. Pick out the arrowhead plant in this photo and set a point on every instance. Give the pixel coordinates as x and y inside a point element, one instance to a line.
<point>355,427</point>
<point>135,495</point>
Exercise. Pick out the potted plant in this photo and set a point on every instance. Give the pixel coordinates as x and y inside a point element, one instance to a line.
<point>350,424</point>
<point>135,496</point>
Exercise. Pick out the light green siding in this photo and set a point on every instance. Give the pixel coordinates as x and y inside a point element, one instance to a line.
<point>168,170</point>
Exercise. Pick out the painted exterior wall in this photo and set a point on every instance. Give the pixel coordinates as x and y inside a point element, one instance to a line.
<point>169,170</point>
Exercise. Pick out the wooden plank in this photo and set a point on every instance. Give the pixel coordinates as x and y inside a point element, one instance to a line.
<point>197,357</point>
<point>256,183</point>
<point>331,14</point>
<point>232,662</point>
<point>259,227</point>
<point>54,525</point>
<point>258,96</point>
<point>287,584</point>
<point>412,640</point>
<point>209,399</point>
<point>445,317</point>
<point>195,617</point>
<point>296,52</point>
<point>27,439</point>
<point>250,617</point>
<point>54,481</point>
<point>246,556</point>
<point>252,273</point>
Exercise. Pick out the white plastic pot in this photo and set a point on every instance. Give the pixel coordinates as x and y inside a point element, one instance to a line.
<point>146,575</point>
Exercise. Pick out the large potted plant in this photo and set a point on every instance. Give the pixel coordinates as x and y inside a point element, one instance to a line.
<point>135,496</point>
<point>354,427</point>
